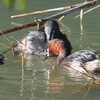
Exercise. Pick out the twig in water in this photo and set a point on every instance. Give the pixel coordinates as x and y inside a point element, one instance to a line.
<point>81,15</point>
<point>94,51</point>
<point>69,84</point>
<point>15,39</point>
<point>4,45</point>
<point>9,42</point>
<point>13,48</point>
<point>88,11</point>
<point>7,50</point>
<point>88,89</point>
<point>5,37</point>
<point>7,47</point>
<point>61,18</point>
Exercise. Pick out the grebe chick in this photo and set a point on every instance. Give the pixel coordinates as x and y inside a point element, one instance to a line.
<point>83,60</point>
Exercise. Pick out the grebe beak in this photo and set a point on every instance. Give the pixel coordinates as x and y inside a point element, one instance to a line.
<point>52,35</point>
<point>4,58</point>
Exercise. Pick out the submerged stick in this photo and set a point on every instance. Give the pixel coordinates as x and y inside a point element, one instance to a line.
<point>70,84</point>
<point>7,50</point>
<point>13,49</point>
<point>81,15</point>
<point>58,15</point>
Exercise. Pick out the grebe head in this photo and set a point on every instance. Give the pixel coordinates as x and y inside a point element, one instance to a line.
<point>2,58</point>
<point>58,47</point>
<point>51,29</point>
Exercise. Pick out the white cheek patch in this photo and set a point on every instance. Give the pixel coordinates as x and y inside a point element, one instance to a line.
<point>47,31</point>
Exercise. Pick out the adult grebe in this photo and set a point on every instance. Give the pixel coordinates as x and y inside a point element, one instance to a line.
<point>83,61</point>
<point>2,58</point>
<point>35,41</point>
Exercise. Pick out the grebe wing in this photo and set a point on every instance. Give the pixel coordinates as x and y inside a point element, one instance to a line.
<point>84,56</point>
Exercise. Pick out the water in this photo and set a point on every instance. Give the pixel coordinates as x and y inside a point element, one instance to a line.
<point>36,80</point>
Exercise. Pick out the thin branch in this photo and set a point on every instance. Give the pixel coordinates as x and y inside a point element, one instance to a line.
<point>5,37</point>
<point>48,10</point>
<point>4,45</point>
<point>20,27</point>
<point>13,49</point>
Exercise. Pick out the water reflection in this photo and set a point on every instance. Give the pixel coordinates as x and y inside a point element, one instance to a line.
<point>57,79</point>
<point>22,80</point>
<point>65,28</point>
